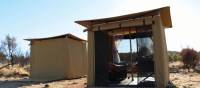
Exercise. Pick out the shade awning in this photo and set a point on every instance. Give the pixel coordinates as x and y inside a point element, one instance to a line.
<point>164,12</point>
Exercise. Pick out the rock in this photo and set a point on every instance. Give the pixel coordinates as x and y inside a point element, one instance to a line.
<point>46,86</point>
<point>173,70</point>
<point>197,68</point>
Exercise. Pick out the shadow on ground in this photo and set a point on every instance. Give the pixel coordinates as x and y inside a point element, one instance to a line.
<point>20,83</point>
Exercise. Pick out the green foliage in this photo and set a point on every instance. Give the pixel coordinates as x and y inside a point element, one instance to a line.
<point>174,56</point>
<point>190,57</point>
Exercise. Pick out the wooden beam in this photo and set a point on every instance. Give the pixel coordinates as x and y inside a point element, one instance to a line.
<point>127,30</point>
<point>132,23</point>
<point>122,24</point>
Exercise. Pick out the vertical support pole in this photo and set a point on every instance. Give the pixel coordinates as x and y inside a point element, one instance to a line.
<point>137,48</point>
<point>160,54</point>
<point>91,59</point>
<point>130,42</point>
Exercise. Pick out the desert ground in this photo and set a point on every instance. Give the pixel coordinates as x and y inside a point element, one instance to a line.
<point>23,83</point>
<point>17,77</point>
<point>183,78</point>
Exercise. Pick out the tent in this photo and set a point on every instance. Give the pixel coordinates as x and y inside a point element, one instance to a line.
<point>58,57</point>
<point>147,24</point>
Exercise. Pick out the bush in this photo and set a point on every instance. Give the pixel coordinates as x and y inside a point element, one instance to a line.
<point>190,57</point>
<point>174,56</point>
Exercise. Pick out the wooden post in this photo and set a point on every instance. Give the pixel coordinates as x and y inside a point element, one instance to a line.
<point>160,54</point>
<point>91,59</point>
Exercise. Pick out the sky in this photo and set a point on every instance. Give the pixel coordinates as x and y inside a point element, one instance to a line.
<point>44,18</point>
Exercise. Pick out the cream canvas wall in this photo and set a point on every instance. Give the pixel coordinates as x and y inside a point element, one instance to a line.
<point>59,58</point>
<point>77,55</point>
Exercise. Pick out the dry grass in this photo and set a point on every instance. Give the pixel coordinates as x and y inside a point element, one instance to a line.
<point>15,71</point>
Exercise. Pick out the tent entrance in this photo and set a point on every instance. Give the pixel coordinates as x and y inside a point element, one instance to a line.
<point>124,58</point>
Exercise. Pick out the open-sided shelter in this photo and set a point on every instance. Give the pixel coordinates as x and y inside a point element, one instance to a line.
<point>58,57</point>
<point>147,28</point>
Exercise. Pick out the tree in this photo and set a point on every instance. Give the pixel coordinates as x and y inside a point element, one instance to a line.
<point>21,58</point>
<point>2,57</point>
<point>190,57</point>
<point>9,47</point>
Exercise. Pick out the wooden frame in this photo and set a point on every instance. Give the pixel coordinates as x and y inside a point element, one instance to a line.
<point>123,24</point>
<point>158,19</point>
<point>160,54</point>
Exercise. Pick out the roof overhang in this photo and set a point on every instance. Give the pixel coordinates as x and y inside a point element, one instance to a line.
<point>164,13</point>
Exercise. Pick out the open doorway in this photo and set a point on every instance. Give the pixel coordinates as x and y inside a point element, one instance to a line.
<point>132,58</point>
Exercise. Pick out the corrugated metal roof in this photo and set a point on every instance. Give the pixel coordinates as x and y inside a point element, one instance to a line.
<point>55,37</point>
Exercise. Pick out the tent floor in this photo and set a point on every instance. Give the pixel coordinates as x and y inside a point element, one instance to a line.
<point>128,83</point>
<point>147,84</point>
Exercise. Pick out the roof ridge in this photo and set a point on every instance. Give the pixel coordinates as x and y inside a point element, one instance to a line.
<point>69,35</point>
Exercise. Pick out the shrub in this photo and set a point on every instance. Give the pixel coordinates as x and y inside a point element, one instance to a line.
<point>190,57</point>
<point>174,56</point>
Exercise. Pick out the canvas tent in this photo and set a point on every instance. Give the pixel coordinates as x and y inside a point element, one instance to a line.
<point>58,57</point>
<point>101,31</point>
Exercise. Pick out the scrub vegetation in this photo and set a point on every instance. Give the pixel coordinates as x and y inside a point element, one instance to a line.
<point>184,68</point>
<point>10,54</point>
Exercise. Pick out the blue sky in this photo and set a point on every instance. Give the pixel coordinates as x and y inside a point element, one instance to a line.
<point>43,18</point>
